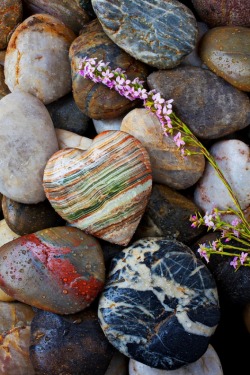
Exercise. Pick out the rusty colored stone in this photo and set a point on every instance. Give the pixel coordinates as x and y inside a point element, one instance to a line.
<point>226,51</point>
<point>68,11</point>
<point>3,87</point>
<point>11,12</point>
<point>94,99</point>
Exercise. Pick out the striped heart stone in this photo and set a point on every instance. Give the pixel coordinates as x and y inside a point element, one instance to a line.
<point>104,190</point>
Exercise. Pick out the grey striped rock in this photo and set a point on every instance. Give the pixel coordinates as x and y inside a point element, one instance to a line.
<point>158,32</point>
<point>160,304</point>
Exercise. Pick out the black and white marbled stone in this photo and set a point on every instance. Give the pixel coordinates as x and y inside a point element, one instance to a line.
<point>157,32</point>
<point>160,304</point>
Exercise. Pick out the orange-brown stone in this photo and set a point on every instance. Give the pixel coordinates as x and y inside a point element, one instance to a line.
<point>10,15</point>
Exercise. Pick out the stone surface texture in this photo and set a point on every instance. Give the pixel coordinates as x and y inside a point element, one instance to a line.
<point>69,139</point>
<point>11,12</point>
<point>159,33</point>
<point>63,267</point>
<point>3,87</point>
<point>68,11</point>
<point>43,71</point>
<point>27,140</point>
<point>220,13</point>
<point>112,124</point>
<point>104,190</point>
<point>208,364</point>
<point>15,321</point>
<point>152,312</point>
<point>168,165</point>
<point>233,157</point>
<point>71,345</point>
<point>211,107</point>
<point>95,99</point>
<point>29,218</point>
<point>226,51</point>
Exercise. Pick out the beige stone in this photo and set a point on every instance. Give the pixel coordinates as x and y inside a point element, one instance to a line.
<point>69,139</point>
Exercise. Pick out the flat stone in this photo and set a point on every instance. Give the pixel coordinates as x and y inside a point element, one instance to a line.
<point>158,33</point>
<point>220,13</point>
<point>11,14</point>
<point>226,51</point>
<point>27,141</point>
<point>111,124</point>
<point>233,158</point>
<point>104,190</point>
<point>15,321</point>
<point>63,267</point>
<point>208,364</point>
<point>73,344</point>
<point>28,218</point>
<point>69,139</point>
<point>206,103</point>
<point>167,215</point>
<point>168,165</point>
<point>68,11</point>
<point>3,87</point>
<point>152,312</point>
<point>95,99</point>
<point>43,71</point>
<point>67,116</point>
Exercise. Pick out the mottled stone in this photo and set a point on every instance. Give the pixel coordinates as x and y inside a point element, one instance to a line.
<point>15,320</point>
<point>226,51</point>
<point>158,33</point>
<point>28,218</point>
<point>43,71</point>
<point>104,190</point>
<point>152,312</point>
<point>27,141</point>
<point>233,158</point>
<point>168,165</point>
<point>66,115</point>
<point>112,124</point>
<point>209,105</point>
<point>68,139</point>
<point>63,267</point>
<point>68,11</point>
<point>167,215</point>
<point>72,345</point>
<point>94,99</point>
<point>2,57</point>
<point>226,12</point>
<point>208,364</point>
<point>118,365</point>
<point>87,6</point>
<point>11,12</point>
<point>3,87</point>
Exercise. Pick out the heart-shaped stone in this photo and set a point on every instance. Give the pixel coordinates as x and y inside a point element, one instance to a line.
<point>104,190</point>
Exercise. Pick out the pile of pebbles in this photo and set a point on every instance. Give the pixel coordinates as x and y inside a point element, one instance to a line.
<point>99,271</point>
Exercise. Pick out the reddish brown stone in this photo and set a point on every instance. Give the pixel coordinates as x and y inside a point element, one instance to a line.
<point>10,15</point>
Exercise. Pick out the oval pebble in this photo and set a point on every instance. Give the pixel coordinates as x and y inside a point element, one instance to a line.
<point>152,312</point>
<point>63,267</point>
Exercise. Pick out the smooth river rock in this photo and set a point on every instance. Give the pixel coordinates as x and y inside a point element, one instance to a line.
<point>226,51</point>
<point>169,167</point>
<point>152,312</point>
<point>3,87</point>
<point>62,267</point>
<point>159,33</point>
<point>72,140</point>
<point>112,124</point>
<point>72,345</point>
<point>11,12</point>
<point>27,140</point>
<point>209,105</point>
<point>104,190</point>
<point>68,11</point>
<point>15,321</point>
<point>43,71</point>
<point>208,364</point>
<point>28,218</point>
<point>226,12</point>
<point>233,158</point>
<point>95,99</point>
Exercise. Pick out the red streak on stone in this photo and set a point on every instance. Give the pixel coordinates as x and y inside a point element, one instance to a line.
<point>62,270</point>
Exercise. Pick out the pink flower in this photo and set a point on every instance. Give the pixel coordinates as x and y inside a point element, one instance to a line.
<point>243,257</point>
<point>195,221</point>
<point>234,262</point>
<point>203,252</point>
<point>208,220</point>
<point>214,245</point>
<point>235,222</point>
<point>178,140</point>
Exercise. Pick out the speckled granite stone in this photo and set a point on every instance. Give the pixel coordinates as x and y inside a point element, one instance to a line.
<point>160,304</point>
<point>158,32</point>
